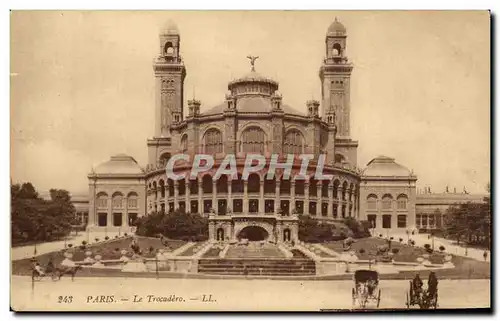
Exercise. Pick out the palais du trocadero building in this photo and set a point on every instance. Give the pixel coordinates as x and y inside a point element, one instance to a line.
<point>253,118</point>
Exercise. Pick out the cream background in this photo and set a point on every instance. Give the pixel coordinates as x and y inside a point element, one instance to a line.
<point>82,84</point>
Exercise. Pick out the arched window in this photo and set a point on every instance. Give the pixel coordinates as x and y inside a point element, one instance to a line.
<point>117,200</point>
<point>164,159</point>
<point>102,200</point>
<point>371,202</point>
<point>337,50</point>
<point>207,184</point>
<point>213,141</point>
<point>293,143</point>
<point>387,202</point>
<point>162,188</point>
<point>169,49</point>
<point>132,200</point>
<point>222,184</point>
<point>339,158</point>
<point>253,140</point>
<point>402,202</point>
<point>253,183</point>
<point>184,144</point>
<point>237,185</point>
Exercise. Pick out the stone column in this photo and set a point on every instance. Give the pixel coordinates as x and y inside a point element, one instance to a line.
<point>245,197</point>
<point>306,198</point>
<point>277,201</point>
<point>261,200</point>
<point>292,196</point>
<point>125,214</point>
<point>230,195</point>
<point>215,205</point>
<point>176,195</point>
<point>167,192</point>
<point>188,196</point>
<point>200,197</point>
<point>330,200</point>
<point>319,199</point>
<point>109,217</point>
<point>211,231</point>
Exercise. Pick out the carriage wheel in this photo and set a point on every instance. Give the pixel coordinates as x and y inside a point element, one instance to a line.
<point>407,300</point>
<point>353,297</point>
<point>55,276</point>
<point>378,297</point>
<point>436,301</point>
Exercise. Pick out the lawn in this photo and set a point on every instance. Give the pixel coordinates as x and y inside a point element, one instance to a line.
<point>109,250</point>
<point>406,253</point>
<point>465,268</point>
<point>213,252</point>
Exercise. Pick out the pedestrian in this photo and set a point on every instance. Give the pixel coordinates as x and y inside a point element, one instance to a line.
<point>485,255</point>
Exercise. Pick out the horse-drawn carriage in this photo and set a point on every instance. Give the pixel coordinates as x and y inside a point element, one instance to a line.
<point>52,272</point>
<point>365,288</point>
<point>424,298</point>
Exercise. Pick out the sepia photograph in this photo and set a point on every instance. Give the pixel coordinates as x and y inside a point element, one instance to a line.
<point>278,161</point>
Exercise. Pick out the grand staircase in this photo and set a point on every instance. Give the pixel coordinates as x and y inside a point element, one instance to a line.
<point>253,266</point>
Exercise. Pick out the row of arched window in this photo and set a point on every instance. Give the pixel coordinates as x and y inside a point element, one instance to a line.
<point>387,202</point>
<point>253,140</point>
<point>117,199</point>
<point>342,191</point>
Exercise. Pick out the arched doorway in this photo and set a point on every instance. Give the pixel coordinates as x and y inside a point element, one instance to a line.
<point>220,234</point>
<point>253,233</point>
<point>287,235</point>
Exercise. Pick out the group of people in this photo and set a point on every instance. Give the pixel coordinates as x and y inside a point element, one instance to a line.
<point>418,284</point>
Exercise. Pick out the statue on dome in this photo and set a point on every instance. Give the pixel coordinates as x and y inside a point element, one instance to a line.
<point>252,61</point>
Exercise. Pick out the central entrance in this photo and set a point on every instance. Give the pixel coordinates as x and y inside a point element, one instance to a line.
<point>253,233</point>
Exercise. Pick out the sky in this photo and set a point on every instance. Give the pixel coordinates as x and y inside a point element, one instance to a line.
<point>82,84</point>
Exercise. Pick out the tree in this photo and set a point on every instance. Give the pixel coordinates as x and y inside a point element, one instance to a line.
<point>470,223</point>
<point>310,230</point>
<point>176,225</point>
<point>35,219</point>
<point>359,229</point>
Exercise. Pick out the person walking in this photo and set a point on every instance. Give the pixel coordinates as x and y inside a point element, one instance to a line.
<point>485,255</point>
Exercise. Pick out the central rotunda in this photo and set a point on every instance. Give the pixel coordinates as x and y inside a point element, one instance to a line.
<point>254,119</point>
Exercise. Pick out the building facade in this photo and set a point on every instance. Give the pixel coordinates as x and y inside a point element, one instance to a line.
<point>253,118</point>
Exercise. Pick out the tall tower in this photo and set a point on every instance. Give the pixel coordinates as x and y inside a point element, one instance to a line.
<point>169,95</point>
<point>170,73</point>
<point>335,75</point>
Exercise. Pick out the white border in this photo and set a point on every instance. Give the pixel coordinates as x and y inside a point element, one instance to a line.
<point>178,5</point>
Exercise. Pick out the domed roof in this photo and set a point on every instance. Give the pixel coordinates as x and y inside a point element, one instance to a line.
<point>385,166</point>
<point>252,104</point>
<point>170,28</point>
<point>119,164</point>
<point>336,29</point>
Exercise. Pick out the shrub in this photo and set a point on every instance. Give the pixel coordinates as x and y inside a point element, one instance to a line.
<point>362,251</point>
<point>116,236</point>
<point>400,239</point>
<point>83,247</point>
<point>70,245</point>
<point>392,238</point>
<point>151,249</point>
<point>395,251</point>
<point>359,229</point>
<point>429,250</point>
<point>117,249</point>
<point>442,248</point>
<point>380,235</point>
<point>97,239</point>
<point>106,238</point>
<point>126,234</point>
<point>84,242</point>
<point>412,242</point>
<point>427,246</point>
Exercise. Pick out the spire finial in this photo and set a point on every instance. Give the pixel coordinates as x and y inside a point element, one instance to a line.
<point>194,92</point>
<point>252,61</point>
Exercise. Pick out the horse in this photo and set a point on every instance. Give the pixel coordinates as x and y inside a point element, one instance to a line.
<point>67,270</point>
